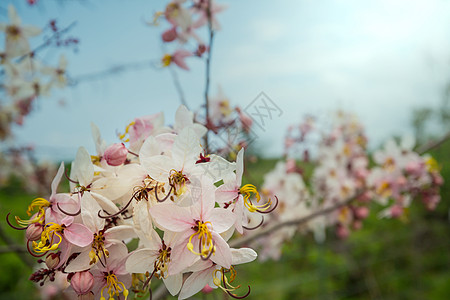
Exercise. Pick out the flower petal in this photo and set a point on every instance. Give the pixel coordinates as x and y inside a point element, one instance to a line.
<point>78,234</point>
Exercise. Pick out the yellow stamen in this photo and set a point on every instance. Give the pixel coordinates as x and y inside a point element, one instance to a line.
<point>166,60</point>
<point>204,235</point>
<point>114,286</point>
<point>432,165</point>
<point>40,204</point>
<point>384,189</point>
<point>247,191</point>
<point>221,278</point>
<point>98,248</point>
<point>47,242</point>
<point>178,181</point>
<point>389,164</point>
<point>123,135</point>
<point>161,263</point>
<point>156,17</point>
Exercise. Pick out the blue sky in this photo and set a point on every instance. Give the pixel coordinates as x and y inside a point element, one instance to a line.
<point>377,58</point>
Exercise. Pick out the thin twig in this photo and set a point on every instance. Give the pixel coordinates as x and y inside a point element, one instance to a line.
<point>176,82</point>
<point>295,222</point>
<point>112,71</point>
<point>46,43</point>
<point>10,242</point>
<point>12,248</point>
<point>208,71</point>
<point>433,144</point>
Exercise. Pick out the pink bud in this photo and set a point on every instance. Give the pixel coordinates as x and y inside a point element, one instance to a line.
<point>34,232</point>
<point>207,289</point>
<point>396,211</point>
<point>82,282</point>
<point>361,212</point>
<point>365,197</point>
<point>357,225</point>
<point>401,181</point>
<point>169,35</point>
<point>290,166</point>
<point>52,260</point>
<point>413,168</point>
<point>116,154</point>
<point>342,232</point>
<point>437,179</point>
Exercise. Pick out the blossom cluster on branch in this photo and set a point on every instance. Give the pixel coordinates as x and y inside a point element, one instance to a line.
<point>24,78</point>
<point>185,19</point>
<point>180,203</point>
<point>343,172</point>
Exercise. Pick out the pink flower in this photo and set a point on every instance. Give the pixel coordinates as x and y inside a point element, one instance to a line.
<point>199,229</point>
<point>178,58</point>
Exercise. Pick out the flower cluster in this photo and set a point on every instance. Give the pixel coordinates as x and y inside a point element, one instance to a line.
<point>185,19</point>
<point>20,163</point>
<point>229,124</point>
<point>26,77</point>
<point>180,203</point>
<point>400,175</point>
<point>341,182</point>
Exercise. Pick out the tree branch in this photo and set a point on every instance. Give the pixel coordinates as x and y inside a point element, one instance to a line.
<point>295,222</point>
<point>176,82</point>
<point>12,248</point>
<point>116,69</point>
<point>10,242</point>
<point>433,144</point>
<point>208,71</point>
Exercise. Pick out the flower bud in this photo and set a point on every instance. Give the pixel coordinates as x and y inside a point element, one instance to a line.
<point>116,154</point>
<point>82,282</point>
<point>169,35</point>
<point>207,289</point>
<point>34,232</point>
<point>342,232</point>
<point>357,225</point>
<point>52,260</point>
<point>361,212</point>
<point>396,211</point>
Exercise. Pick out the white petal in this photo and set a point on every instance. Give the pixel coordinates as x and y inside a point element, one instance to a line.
<point>84,170</point>
<point>195,283</point>
<point>173,283</point>
<point>80,263</point>
<point>186,147</point>
<point>242,255</point>
<point>141,261</point>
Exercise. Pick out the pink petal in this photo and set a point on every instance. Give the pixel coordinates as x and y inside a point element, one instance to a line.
<point>181,257</point>
<point>195,283</point>
<point>79,235</point>
<point>172,217</point>
<point>221,219</point>
<point>222,256</point>
<point>226,192</point>
<point>141,261</point>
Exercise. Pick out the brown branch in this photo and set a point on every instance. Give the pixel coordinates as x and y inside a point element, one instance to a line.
<point>433,144</point>
<point>12,248</point>
<point>177,84</point>
<point>116,69</point>
<point>295,222</point>
<point>10,242</point>
<point>47,42</point>
<point>208,72</point>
